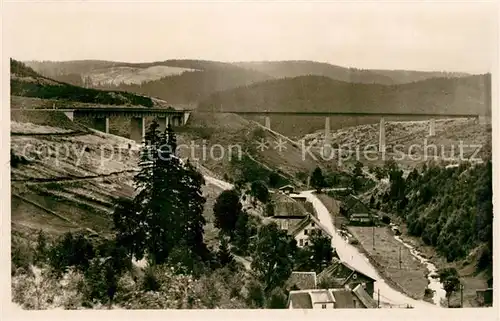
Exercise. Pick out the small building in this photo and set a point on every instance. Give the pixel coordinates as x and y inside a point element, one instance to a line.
<point>306,228</point>
<point>351,205</point>
<point>287,212</point>
<point>485,297</point>
<point>366,219</point>
<point>287,189</point>
<point>302,281</point>
<point>341,274</point>
<point>337,298</point>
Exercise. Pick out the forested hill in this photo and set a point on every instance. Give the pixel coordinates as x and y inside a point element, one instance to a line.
<point>319,93</point>
<point>449,208</point>
<point>24,81</point>
<point>295,68</point>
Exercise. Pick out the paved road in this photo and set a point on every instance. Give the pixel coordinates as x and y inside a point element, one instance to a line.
<point>356,259</point>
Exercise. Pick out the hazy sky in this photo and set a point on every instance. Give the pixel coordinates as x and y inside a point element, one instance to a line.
<point>431,36</point>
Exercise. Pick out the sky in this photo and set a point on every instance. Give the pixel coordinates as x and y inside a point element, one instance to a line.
<point>416,36</point>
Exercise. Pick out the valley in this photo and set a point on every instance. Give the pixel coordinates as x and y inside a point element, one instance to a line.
<point>67,177</point>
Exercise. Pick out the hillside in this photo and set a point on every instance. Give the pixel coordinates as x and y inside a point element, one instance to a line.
<point>28,83</point>
<point>320,94</point>
<point>177,81</point>
<point>286,69</point>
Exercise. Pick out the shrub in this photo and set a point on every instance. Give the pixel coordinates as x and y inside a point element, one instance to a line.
<point>386,219</point>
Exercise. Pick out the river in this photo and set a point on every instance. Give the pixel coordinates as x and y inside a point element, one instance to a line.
<point>356,259</point>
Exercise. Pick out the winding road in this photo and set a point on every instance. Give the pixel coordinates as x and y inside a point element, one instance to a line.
<point>356,259</point>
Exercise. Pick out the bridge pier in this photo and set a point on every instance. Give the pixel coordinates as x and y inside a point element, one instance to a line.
<point>327,130</point>
<point>101,124</point>
<point>381,136</point>
<point>268,122</point>
<point>137,129</point>
<point>432,127</point>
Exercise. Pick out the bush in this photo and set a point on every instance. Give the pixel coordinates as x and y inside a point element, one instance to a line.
<point>386,219</point>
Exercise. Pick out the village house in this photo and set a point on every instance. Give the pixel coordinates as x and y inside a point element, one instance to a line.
<point>287,189</point>
<point>338,298</point>
<point>341,274</point>
<point>302,281</point>
<point>306,228</point>
<point>287,213</point>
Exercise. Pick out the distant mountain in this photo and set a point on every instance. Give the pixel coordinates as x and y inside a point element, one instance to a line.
<point>26,82</point>
<point>176,81</point>
<point>320,93</point>
<point>185,81</point>
<point>282,69</point>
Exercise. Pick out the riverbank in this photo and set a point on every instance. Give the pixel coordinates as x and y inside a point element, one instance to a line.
<point>410,279</point>
<point>466,268</point>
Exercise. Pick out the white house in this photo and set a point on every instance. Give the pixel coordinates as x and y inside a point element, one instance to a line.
<point>306,228</point>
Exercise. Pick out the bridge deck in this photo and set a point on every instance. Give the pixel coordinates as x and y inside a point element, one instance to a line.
<point>337,113</point>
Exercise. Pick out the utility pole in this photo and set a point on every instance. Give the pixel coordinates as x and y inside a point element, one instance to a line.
<point>378,298</point>
<point>400,257</point>
<point>373,236</point>
<point>461,295</point>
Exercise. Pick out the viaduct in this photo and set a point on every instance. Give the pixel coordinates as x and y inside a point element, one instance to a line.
<point>179,117</point>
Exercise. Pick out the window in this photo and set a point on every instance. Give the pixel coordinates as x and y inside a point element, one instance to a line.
<point>354,303</point>
<point>307,243</point>
<point>323,306</point>
<point>305,232</point>
<point>312,224</point>
<point>301,242</point>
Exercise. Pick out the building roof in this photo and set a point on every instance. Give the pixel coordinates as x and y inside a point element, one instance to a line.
<point>321,296</point>
<point>340,270</point>
<point>343,298</point>
<point>364,297</point>
<point>303,280</point>
<point>353,204</point>
<point>305,222</point>
<point>285,206</point>
<point>300,300</point>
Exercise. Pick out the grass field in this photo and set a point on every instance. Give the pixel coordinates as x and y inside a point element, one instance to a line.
<point>410,275</point>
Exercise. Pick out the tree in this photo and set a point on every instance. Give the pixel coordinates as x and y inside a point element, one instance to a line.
<point>321,251</point>
<point>274,179</point>
<point>357,176</point>
<point>224,256</point>
<point>242,234</point>
<point>317,179</point>
<point>372,201</point>
<point>273,257</point>
<point>41,249</point>
<point>451,281</point>
<point>167,211</point>
<point>227,209</point>
<point>259,190</point>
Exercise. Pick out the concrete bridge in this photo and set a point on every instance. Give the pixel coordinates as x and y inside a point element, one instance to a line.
<point>101,115</point>
<point>430,117</point>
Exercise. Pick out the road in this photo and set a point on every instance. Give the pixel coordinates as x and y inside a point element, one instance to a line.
<point>356,259</point>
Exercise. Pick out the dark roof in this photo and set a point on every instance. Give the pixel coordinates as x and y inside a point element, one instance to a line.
<point>284,205</point>
<point>353,204</point>
<point>343,298</point>
<point>364,297</point>
<point>302,280</point>
<point>300,300</point>
<point>305,222</point>
<point>340,270</point>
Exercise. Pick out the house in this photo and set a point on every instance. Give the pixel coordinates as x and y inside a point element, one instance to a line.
<point>287,212</point>
<point>307,205</point>
<point>485,297</point>
<point>337,298</point>
<point>341,274</point>
<point>302,281</point>
<point>366,219</point>
<point>351,204</point>
<point>307,227</point>
<point>287,189</point>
